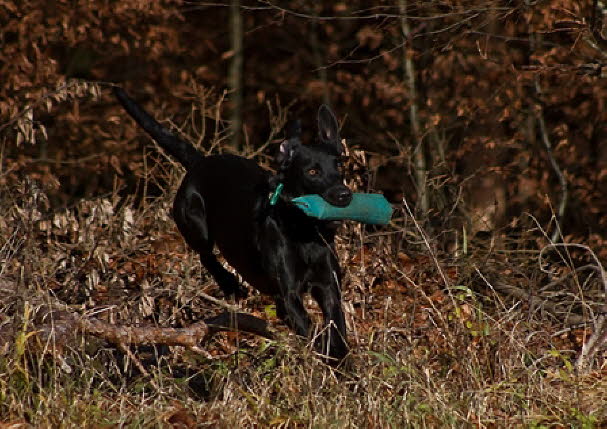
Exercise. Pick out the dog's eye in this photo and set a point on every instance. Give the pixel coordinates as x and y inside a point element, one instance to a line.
<point>313,172</point>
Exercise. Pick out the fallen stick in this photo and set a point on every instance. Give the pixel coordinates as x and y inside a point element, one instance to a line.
<point>191,336</point>
<point>121,334</point>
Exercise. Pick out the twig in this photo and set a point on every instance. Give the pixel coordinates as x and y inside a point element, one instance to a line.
<point>219,302</point>
<point>555,166</point>
<point>599,266</point>
<point>534,301</point>
<point>570,274</point>
<point>355,15</point>
<point>596,341</point>
<point>138,364</point>
<point>60,89</point>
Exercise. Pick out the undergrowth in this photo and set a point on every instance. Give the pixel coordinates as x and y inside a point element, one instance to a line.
<point>483,333</point>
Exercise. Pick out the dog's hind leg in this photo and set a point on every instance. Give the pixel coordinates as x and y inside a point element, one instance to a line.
<point>227,281</point>
<point>190,216</point>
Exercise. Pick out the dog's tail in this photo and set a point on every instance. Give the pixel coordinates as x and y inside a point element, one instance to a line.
<point>179,149</point>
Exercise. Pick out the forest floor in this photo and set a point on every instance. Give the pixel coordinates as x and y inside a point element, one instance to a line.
<point>486,334</point>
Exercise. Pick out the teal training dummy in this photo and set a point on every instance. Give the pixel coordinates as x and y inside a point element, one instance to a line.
<point>366,208</point>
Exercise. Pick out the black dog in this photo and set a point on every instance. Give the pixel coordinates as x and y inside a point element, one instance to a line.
<point>273,245</point>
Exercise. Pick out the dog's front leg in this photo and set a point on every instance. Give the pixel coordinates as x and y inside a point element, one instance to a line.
<point>326,292</point>
<point>295,314</point>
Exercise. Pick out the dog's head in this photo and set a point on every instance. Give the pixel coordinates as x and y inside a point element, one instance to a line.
<point>314,168</point>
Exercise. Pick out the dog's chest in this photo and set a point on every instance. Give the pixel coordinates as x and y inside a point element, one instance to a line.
<point>316,257</point>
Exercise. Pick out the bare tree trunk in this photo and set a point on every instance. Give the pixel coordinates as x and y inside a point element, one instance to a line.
<point>322,71</point>
<point>419,158</point>
<point>539,116</point>
<point>235,73</point>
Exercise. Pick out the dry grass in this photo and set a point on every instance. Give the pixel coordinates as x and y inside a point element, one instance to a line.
<point>436,341</point>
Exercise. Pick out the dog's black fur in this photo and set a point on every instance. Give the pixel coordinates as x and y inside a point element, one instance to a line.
<point>277,249</point>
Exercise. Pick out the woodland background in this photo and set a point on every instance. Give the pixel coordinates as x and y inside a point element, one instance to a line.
<point>484,122</point>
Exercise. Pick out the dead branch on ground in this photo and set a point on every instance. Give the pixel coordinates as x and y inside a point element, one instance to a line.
<point>55,326</point>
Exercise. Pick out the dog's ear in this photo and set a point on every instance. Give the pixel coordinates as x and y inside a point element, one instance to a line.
<point>289,146</point>
<point>287,150</point>
<point>328,128</point>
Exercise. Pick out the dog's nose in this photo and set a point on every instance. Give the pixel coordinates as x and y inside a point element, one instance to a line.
<point>339,196</point>
<point>344,196</point>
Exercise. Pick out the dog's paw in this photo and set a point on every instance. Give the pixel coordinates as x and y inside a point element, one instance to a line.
<point>333,349</point>
<point>231,287</point>
<point>241,293</point>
